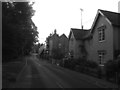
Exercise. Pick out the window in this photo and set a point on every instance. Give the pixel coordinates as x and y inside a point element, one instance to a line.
<point>101,33</point>
<point>101,55</point>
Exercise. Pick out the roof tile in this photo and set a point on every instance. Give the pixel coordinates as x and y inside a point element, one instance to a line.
<point>112,16</point>
<point>79,33</point>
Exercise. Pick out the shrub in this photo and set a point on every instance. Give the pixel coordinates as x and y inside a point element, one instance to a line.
<point>111,67</point>
<point>91,64</point>
<point>81,65</point>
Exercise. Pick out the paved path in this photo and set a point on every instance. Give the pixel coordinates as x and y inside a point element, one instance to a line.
<point>40,74</point>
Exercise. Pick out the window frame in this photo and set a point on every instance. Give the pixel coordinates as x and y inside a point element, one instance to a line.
<point>101,33</point>
<point>101,56</point>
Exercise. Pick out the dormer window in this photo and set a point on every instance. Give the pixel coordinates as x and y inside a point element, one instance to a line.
<point>101,33</point>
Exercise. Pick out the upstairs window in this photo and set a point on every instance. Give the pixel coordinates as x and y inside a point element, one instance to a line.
<point>101,33</point>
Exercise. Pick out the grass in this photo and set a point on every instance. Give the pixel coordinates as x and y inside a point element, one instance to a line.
<point>10,72</point>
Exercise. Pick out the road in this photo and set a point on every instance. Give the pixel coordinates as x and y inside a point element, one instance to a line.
<point>40,74</point>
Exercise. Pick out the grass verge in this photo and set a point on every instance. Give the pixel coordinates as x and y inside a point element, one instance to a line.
<point>10,71</point>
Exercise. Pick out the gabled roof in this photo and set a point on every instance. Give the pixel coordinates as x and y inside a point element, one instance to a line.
<point>63,35</point>
<point>78,33</point>
<point>52,36</point>
<point>112,17</point>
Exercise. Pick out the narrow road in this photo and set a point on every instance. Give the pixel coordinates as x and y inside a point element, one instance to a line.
<point>40,74</point>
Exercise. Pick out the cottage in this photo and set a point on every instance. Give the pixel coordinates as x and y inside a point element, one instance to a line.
<point>105,42</point>
<point>63,44</point>
<point>53,43</point>
<point>76,42</point>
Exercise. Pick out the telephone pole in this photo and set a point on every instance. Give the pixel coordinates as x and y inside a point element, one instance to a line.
<point>81,18</point>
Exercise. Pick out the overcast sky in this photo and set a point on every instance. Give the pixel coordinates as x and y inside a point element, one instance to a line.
<point>65,14</point>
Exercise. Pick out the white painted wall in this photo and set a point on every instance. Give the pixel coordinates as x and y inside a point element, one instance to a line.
<point>106,45</point>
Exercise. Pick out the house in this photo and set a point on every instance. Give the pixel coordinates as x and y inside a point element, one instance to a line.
<point>76,42</point>
<point>52,43</point>
<point>105,42</point>
<point>63,44</point>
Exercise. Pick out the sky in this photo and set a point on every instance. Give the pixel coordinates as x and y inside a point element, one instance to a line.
<point>65,14</point>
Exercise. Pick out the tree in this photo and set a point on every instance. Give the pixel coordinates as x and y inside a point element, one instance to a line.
<point>19,32</point>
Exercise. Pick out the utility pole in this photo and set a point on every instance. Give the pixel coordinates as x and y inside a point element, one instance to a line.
<point>119,7</point>
<point>81,18</point>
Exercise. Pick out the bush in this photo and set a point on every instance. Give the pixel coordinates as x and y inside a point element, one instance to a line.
<point>91,64</point>
<point>69,64</point>
<point>81,65</point>
<point>87,66</point>
<point>111,67</point>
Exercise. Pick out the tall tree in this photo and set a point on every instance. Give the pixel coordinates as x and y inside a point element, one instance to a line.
<point>19,33</point>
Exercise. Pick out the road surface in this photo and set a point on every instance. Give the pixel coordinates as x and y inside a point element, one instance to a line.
<point>40,74</point>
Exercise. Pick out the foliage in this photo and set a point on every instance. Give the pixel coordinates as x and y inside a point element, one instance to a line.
<point>111,67</point>
<point>36,47</point>
<point>91,64</point>
<point>80,64</point>
<point>56,54</point>
<point>19,32</point>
